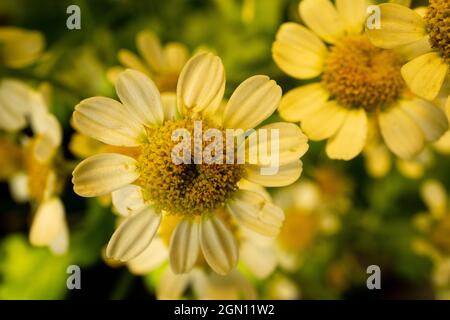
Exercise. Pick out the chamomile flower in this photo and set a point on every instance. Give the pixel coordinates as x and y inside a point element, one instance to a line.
<point>424,35</point>
<point>35,178</point>
<point>359,84</point>
<point>203,196</point>
<point>162,64</point>
<point>20,47</point>
<point>435,228</point>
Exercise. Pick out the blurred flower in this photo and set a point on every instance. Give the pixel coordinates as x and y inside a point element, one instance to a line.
<point>312,210</point>
<point>423,35</point>
<point>20,47</point>
<point>360,83</point>
<point>34,177</point>
<point>435,228</point>
<point>203,196</point>
<point>162,64</point>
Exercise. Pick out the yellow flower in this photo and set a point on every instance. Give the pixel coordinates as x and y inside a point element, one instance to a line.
<point>20,47</point>
<point>162,64</point>
<point>424,35</point>
<point>36,179</point>
<point>435,228</point>
<point>359,82</point>
<point>200,194</point>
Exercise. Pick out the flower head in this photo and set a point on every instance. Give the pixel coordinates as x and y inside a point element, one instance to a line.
<point>203,195</point>
<point>360,84</point>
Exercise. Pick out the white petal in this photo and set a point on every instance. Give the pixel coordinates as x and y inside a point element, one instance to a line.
<point>256,213</point>
<point>169,101</point>
<point>287,140</point>
<point>298,51</point>
<point>149,48</point>
<point>171,286</point>
<point>351,137</point>
<point>353,13</point>
<point>274,177</point>
<point>298,103</point>
<point>18,187</point>
<point>108,121</point>
<point>218,245</point>
<point>261,260</point>
<point>141,97</point>
<point>201,83</point>
<point>47,222</point>
<point>128,200</point>
<point>401,134</point>
<point>184,246</point>
<point>149,259</point>
<point>252,102</point>
<point>325,121</point>
<point>322,18</point>
<point>134,235</point>
<point>431,119</point>
<point>60,244</point>
<point>103,173</point>
<point>14,104</point>
<point>425,75</point>
<point>399,26</point>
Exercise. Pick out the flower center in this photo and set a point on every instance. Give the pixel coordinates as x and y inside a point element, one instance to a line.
<point>184,189</point>
<point>437,20</point>
<point>358,74</point>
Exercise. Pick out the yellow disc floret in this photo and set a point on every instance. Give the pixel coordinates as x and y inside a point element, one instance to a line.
<point>358,74</point>
<point>183,189</point>
<point>437,20</point>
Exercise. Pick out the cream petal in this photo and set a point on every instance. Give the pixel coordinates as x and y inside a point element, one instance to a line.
<point>399,26</point>
<point>425,75</point>
<point>103,173</point>
<point>140,96</point>
<point>322,18</point>
<point>128,200</point>
<point>133,235</point>
<point>434,195</point>
<point>175,56</point>
<point>60,244</point>
<point>292,143</point>
<point>14,104</point>
<point>415,49</point>
<point>201,84</point>
<point>298,51</point>
<point>169,102</point>
<point>400,133</point>
<point>47,125</point>
<point>149,259</point>
<point>171,286</point>
<point>325,121</point>
<point>254,212</point>
<point>107,120</point>
<point>132,61</point>
<point>351,137</point>
<point>252,102</point>
<point>47,222</point>
<point>284,176</point>
<point>298,103</point>
<point>377,160</point>
<point>428,117</point>
<point>261,260</point>
<point>353,13</point>
<point>184,246</point>
<point>149,47</point>
<point>218,245</point>
<point>18,187</point>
